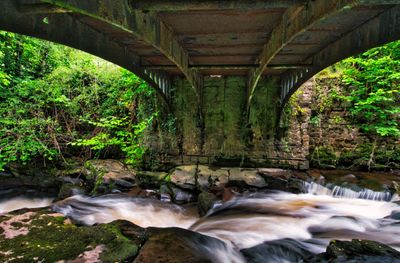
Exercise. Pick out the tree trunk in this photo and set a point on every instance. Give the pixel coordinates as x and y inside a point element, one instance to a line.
<point>372,155</point>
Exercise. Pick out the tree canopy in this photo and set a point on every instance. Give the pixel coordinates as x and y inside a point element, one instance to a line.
<point>56,102</point>
<point>374,90</point>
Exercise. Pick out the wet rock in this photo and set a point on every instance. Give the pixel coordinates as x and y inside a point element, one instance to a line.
<point>150,179</point>
<point>176,194</point>
<point>295,186</point>
<point>135,233</point>
<point>123,184</point>
<point>208,177</point>
<point>31,170</point>
<point>249,176</point>
<point>184,176</point>
<point>395,187</point>
<point>181,196</point>
<point>70,180</point>
<point>205,202</point>
<point>275,172</point>
<point>107,176</point>
<point>68,190</point>
<point>137,191</point>
<point>314,174</point>
<point>175,245</point>
<point>110,170</point>
<point>228,194</point>
<point>276,183</point>
<point>48,184</point>
<point>358,251</point>
<point>283,250</point>
<point>395,215</point>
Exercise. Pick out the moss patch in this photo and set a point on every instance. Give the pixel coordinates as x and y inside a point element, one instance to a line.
<point>51,238</point>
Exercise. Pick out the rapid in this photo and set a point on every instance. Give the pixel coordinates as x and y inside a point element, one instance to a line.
<point>271,225</point>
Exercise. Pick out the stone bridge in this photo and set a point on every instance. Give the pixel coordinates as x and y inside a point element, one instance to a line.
<point>224,68</point>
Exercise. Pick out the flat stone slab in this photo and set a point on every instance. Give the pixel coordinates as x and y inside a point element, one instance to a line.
<point>184,176</point>
<point>250,176</point>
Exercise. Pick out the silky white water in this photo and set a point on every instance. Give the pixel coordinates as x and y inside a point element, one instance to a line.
<point>143,212</point>
<point>23,202</point>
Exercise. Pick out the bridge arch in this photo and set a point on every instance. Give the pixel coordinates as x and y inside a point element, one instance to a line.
<point>378,31</point>
<point>74,28</point>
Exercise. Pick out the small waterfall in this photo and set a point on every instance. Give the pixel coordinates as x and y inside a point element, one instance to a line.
<point>339,191</point>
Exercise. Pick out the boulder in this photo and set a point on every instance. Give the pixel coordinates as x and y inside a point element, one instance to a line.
<point>137,191</point>
<point>112,170</point>
<point>275,172</point>
<point>282,250</point>
<point>249,176</point>
<point>68,190</point>
<point>184,176</point>
<point>105,176</point>
<point>358,251</point>
<point>205,202</point>
<point>150,179</point>
<point>208,177</point>
<point>170,192</point>
<point>395,215</point>
<point>176,245</point>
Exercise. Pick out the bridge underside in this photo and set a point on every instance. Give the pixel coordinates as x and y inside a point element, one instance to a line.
<point>267,48</point>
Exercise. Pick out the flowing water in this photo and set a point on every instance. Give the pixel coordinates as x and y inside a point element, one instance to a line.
<point>14,199</point>
<point>272,226</point>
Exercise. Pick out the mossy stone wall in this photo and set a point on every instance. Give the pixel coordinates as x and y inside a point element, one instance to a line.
<point>222,128</point>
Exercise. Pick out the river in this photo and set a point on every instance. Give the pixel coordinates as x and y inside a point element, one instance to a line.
<point>284,226</point>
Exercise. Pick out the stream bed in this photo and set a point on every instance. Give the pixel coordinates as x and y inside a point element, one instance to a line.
<point>267,226</point>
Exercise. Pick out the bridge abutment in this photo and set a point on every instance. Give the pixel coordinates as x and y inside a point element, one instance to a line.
<point>224,133</point>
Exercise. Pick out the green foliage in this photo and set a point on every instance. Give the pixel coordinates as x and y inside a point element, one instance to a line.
<point>56,101</point>
<point>374,93</point>
<point>118,132</point>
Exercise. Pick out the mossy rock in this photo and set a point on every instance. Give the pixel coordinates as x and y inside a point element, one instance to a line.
<point>357,251</point>
<point>41,235</point>
<point>148,179</point>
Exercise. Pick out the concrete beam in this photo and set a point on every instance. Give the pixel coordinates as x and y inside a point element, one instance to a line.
<point>226,67</point>
<point>145,26</point>
<point>378,31</point>
<point>294,21</point>
<point>195,5</point>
